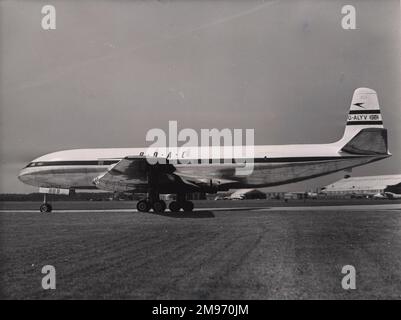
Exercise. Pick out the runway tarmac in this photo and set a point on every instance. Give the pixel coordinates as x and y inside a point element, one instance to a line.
<point>370,207</point>
<point>224,250</point>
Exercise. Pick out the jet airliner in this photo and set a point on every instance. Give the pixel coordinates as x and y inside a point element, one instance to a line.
<point>128,169</point>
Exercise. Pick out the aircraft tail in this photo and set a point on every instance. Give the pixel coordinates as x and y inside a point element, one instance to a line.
<point>364,132</point>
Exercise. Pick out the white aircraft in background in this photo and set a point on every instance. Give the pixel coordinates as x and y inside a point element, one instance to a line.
<point>379,195</point>
<point>392,195</point>
<point>387,195</point>
<point>128,170</point>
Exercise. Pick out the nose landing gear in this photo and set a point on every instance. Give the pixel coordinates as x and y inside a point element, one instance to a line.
<point>45,207</point>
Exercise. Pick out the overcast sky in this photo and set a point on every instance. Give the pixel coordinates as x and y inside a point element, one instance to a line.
<point>112,70</point>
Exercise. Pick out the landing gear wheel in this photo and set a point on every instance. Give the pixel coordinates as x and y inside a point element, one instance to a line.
<point>143,206</point>
<point>174,206</point>
<point>187,206</point>
<point>159,206</point>
<point>45,207</point>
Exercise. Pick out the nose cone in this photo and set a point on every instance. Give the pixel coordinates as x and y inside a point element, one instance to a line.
<point>26,176</point>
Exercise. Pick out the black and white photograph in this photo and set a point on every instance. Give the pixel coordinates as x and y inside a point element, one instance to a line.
<point>208,153</point>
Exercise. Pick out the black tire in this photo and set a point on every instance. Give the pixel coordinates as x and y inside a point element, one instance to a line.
<point>45,208</point>
<point>188,206</point>
<point>164,205</point>
<point>159,206</point>
<point>143,206</point>
<point>174,206</point>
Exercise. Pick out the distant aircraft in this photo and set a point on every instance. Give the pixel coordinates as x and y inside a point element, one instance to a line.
<point>392,195</point>
<point>128,170</point>
<point>379,195</point>
<point>312,195</point>
<point>300,195</point>
<point>387,195</point>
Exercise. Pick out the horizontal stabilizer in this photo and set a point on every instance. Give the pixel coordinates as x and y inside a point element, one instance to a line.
<point>369,141</point>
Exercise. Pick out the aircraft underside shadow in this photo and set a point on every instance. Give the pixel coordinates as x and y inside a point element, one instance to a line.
<point>199,214</point>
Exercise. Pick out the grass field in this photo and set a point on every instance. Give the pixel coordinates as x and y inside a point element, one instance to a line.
<point>237,254</point>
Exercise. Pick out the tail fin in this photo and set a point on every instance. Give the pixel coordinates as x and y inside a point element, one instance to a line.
<point>364,132</point>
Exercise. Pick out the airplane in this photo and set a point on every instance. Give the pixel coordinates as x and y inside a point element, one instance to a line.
<point>392,195</point>
<point>379,195</point>
<point>301,195</point>
<point>387,195</point>
<point>128,169</point>
<point>312,195</point>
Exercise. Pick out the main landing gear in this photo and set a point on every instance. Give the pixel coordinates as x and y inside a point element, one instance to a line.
<point>45,207</point>
<point>159,206</point>
<point>181,203</point>
<point>175,206</point>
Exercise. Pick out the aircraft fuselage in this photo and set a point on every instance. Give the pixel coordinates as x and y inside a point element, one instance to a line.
<point>271,165</point>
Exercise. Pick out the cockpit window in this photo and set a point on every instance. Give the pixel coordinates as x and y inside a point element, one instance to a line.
<point>34,164</point>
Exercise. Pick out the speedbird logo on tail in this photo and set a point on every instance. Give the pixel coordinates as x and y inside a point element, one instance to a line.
<point>359,104</point>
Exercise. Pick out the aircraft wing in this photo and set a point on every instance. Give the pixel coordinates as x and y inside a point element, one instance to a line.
<point>138,173</point>
<point>130,173</point>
